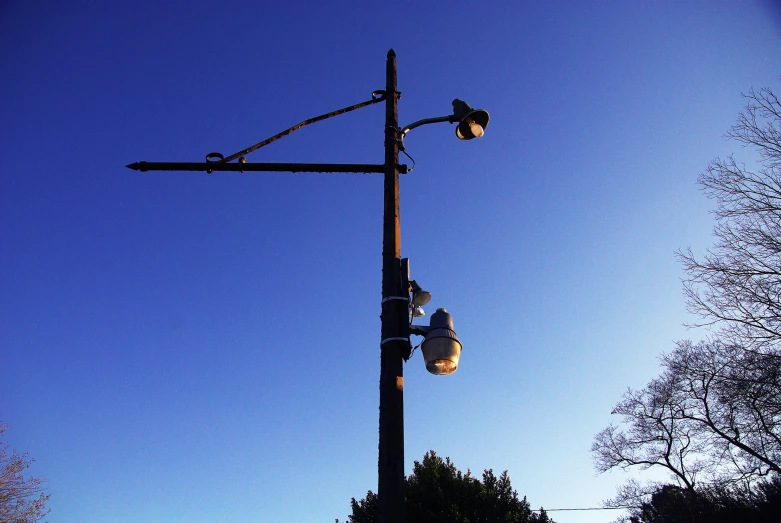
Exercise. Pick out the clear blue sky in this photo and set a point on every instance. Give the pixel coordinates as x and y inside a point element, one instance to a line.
<point>203,348</point>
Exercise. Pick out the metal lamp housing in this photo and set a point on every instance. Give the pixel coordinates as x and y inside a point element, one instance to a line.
<point>467,118</point>
<point>441,348</point>
<point>419,296</point>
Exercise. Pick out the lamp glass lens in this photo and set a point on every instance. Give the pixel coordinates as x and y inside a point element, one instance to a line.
<point>441,367</point>
<point>477,129</point>
<point>441,354</point>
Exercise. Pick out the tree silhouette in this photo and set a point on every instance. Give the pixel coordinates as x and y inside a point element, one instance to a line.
<point>737,284</point>
<point>712,418</point>
<point>437,492</point>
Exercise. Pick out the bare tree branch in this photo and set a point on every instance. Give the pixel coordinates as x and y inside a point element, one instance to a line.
<point>22,499</point>
<point>737,284</point>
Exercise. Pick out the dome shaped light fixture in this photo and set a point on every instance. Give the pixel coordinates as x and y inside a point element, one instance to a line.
<point>471,122</point>
<point>441,348</point>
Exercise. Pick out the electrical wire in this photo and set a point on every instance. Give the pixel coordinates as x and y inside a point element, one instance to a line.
<point>413,349</point>
<point>590,508</point>
<point>411,158</point>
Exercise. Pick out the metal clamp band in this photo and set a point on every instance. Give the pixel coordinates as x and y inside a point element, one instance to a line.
<point>383,342</point>
<point>388,298</point>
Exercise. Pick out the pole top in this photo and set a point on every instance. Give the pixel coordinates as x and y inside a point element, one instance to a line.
<point>391,53</point>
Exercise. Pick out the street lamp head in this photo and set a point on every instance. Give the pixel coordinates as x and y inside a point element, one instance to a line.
<point>441,348</point>
<point>471,122</point>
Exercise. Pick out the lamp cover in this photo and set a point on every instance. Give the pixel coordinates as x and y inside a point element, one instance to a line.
<point>419,296</point>
<point>441,348</point>
<point>467,117</point>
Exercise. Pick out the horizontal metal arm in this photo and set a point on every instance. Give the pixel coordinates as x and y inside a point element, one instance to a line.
<point>425,121</point>
<point>272,167</point>
<point>419,330</point>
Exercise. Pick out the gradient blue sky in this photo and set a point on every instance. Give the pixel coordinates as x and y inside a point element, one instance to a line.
<point>204,348</point>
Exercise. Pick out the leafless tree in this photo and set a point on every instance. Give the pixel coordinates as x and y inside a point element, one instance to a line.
<point>654,432</point>
<point>733,399</point>
<point>712,418</point>
<point>22,499</point>
<point>737,284</point>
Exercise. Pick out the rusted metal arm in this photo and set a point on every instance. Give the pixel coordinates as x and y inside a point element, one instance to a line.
<point>271,167</point>
<point>377,96</point>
